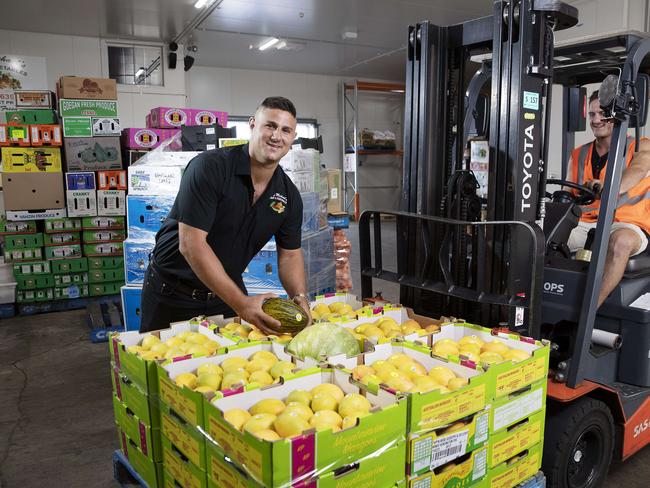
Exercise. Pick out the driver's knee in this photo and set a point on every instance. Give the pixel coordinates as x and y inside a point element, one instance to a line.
<point>623,243</point>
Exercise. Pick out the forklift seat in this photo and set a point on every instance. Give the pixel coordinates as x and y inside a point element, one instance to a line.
<point>638,266</point>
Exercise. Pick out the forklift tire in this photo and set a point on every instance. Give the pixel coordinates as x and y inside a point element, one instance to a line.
<point>578,444</point>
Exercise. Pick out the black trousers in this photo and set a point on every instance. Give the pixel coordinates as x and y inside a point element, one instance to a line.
<point>162,304</point>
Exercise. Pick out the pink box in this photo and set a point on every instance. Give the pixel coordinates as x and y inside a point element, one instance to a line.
<point>207,117</point>
<point>145,138</point>
<point>168,117</point>
<point>147,120</point>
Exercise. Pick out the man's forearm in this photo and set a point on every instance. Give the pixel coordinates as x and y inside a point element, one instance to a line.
<point>291,269</point>
<point>207,266</point>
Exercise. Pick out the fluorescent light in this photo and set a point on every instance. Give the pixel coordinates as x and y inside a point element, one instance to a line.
<point>140,73</point>
<point>269,43</point>
<point>281,44</point>
<point>202,3</point>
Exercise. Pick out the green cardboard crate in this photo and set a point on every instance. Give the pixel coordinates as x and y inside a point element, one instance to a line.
<point>66,251</point>
<point>110,262</point>
<point>87,108</point>
<point>106,275</point>
<point>469,470</point>
<point>70,279</point>
<point>77,127</point>
<point>32,268</point>
<point>146,438</point>
<point>180,468</point>
<point>516,439</point>
<point>439,446</point>
<point>61,238</point>
<point>23,241</point>
<point>71,291</point>
<point>274,463</point>
<point>129,392</point>
<point>104,249</point>
<point>517,469</point>
<point>17,227</point>
<point>43,116</point>
<point>149,471</point>
<point>71,265</point>
<point>99,289</point>
<point>514,408</point>
<point>104,235</point>
<point>187,439</point>
<point>113,222</point>
<point>19,255</point>
<point>33,282</point>
<point>63,224</point>
<point>42,295</point>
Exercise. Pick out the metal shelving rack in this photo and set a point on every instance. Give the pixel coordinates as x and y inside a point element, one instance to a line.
<point>350,136</point>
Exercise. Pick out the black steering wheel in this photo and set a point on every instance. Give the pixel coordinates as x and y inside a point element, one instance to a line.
<point>585,196</point>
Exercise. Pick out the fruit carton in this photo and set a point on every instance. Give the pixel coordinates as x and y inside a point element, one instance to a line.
<point>426,452</point>
<point>110,262</point>
<point>516,438</point>
<point>432,409</point>
<point>70,279</point>
<point>103,222</point>
<point>26,227</point>
<point>31,160</point>
<point>64,224</point>
<point>18,255</point>
<point>149,471</point>
<point>23,241</point>
<point>142,371</point>
<point>469,470</point>
<point>127,391</point>
<point>146,438</point>
<point>507,411</point>
<point>286,461</point>
<point>508,376</point>
<point>65,251</point>
<point>73,265</point>
<point>381,470</point>
<point>32,268</point>
<point>34,282</point>
<point>58,238</point>
<point>516,469</point>
<point>185,437</point>
<point>187,403</point>
<point>180,468</point>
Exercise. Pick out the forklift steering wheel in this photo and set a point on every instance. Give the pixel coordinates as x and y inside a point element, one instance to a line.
<point>585,196</point>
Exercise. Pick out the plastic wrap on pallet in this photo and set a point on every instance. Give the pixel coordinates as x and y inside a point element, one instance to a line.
<point>342,252</point>
<point>136,259</point>
<point>310,213</point>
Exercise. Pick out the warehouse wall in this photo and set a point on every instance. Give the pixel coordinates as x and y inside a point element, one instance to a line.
<point>86,56</point>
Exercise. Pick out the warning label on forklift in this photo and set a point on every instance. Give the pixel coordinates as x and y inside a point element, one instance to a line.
<point>531,100</point>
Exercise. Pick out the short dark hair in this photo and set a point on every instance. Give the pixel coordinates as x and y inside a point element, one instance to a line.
<point>593,96</point>
<point>279,103</point>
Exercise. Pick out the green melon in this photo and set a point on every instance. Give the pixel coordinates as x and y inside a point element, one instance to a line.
<point>292,317</point>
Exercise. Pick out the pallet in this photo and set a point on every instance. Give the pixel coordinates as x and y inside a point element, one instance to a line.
<point>124,473</point>
<point>7,310</point>
<point>537,481</point>
<point>32,308</point>
<point>104,318</point>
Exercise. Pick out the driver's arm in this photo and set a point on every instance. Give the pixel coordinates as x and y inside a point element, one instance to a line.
<point>639,167</point>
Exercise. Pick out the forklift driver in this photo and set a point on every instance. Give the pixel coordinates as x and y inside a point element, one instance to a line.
<point>631,226</point>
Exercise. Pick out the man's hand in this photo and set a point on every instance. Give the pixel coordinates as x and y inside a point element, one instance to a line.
<point>250,309</point>
<point>596,186</point>
<point>304,304</point>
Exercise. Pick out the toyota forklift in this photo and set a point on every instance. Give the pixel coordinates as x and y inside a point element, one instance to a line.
<point>480,235</point>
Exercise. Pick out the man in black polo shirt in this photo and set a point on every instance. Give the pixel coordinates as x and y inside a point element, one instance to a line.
<point>230,203</point>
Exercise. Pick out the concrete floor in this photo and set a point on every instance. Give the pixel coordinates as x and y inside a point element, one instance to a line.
<point>56,416</point>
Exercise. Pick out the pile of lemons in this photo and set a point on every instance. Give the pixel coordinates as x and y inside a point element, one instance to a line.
<point>333,312</point>
<point>183,344</point>
<point>389,328</point>
<point>250,332</point>
<point>263,368</point>
<point>475,349</point>
<point>324,407</point>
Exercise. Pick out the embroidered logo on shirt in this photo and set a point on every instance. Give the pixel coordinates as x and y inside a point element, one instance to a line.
<point>278,203</point>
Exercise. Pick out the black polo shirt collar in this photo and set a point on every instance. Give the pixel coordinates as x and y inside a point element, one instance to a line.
<point>243,163</point>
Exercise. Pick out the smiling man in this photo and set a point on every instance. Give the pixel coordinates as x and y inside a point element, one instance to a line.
<point>230,203</point>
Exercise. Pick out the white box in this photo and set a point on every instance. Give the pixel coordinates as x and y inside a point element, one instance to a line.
<point>111,202</point>
<point>301,160</point>
<point>54,213</point>
<point>81,203</point>
<point>154,180</point>
<point>8,292</point>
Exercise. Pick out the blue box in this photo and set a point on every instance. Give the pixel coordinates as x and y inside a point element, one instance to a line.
<point>136,259</point>
<point>339,221</point>
<point>147,213</point>
<point>80,181</point>
<point>131,296</point>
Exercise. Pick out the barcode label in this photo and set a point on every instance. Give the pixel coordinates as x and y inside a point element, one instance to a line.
<point>448,448</point>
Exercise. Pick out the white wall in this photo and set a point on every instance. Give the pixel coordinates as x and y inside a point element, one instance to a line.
<point>86,56</point>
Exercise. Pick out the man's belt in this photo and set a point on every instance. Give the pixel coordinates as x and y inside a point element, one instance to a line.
<point>181,286</point>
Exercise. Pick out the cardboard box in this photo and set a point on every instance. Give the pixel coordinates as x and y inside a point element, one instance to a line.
<point>151,472</point>
<point>149,138</point>
<point>100,289</point>
<point>32,268</point>
<point>45,135</point>
<point>182,470</point>
<point>93,153</point>
<point>147,213</point>
<point>469,470</point>
<point>70,279</point>
<point>167,117</point>
<point>154,180</point>
<point>131,306</point>
<point>31,160</point>
<point>132,156</point>
<point>509,410</point>
<point>110,222</point>
<point>301,160</point>
<point>7,227</point>
<point>111,180</point>
<point>208,117</point>
<point>42,295</point>
<point>517,469</point>
<point>106,275</point>
<point>81,203</point>
<point>23,241</point>
<point>58,225</point>
<point>80,181</point>
<point>129,392</point>
<point>87,88</point>
<point>33,191</point>
<point>30,254</point>
<point>87,108</point>
<point>31,117</point>
<point>103,249</point>
<point>146,438</point>
<point>66,251</point>
<point>71,265</point>
<point>103,235</point>
<point>71,291</point>
<point>111,202</point>
<point>34,99</point>
<point>189,441</point>
<point>14,135</point>
<point>203,137</point>
<point>106,126</point>
<point>59,238</point>
<point>109,262</point>
<point>278,463</point>
<point>516,439</point>
<point>334,190</point>
<point>34,282</point>
<point>136,260</point>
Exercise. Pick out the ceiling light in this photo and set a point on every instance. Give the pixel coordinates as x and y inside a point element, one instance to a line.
<point>269,43</point>
<point>202,3</point>
<point>349,35</point>
<point>281,45</point>
<point>139,73</point>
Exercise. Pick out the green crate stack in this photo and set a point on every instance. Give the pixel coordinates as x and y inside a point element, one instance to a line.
<point>70,278</point>
<point>102,245</point>
<point>23,247</point>
<point>33,275</point>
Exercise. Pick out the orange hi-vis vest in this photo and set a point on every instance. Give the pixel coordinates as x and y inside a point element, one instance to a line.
<point>633,207</point>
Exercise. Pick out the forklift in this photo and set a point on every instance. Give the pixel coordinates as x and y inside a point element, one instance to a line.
<point>487,242</point>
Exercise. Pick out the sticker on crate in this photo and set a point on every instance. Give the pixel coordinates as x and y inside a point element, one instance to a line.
<point>58,225</point>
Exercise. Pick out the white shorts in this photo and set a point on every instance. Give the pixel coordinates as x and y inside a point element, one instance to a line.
<point>578,235</point>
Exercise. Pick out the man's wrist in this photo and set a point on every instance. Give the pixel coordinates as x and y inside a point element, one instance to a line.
<point>300,297</point>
